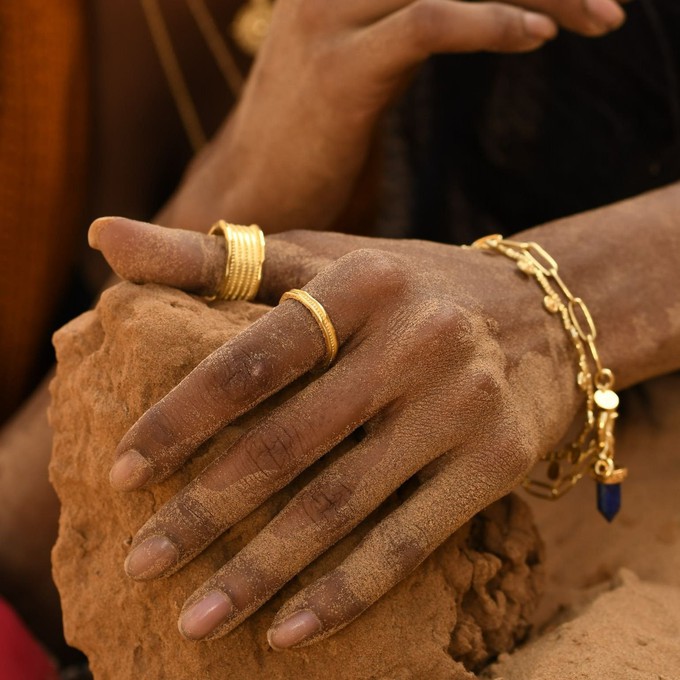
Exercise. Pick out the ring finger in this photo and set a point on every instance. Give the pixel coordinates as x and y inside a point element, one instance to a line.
<point>322,513</point>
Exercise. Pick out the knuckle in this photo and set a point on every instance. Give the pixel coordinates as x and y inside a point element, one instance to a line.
<point>574,16</point>
<point>424,25</point>
<point>405,549</point>
<point>488,387</point>
<point>515,458</point>
<point>294,236</point>
<point>450,321</point>
<point>327,507</point>
<point>382,272</point>
<point>272,450</point>
<point>508,26</point>
<point>238,377</point>
<point>194,513</point>
<point>160,427</point>
<point>446,327</point>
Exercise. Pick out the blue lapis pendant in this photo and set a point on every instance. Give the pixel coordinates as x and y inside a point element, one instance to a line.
<point>609,493</point>
<point>607,476</point>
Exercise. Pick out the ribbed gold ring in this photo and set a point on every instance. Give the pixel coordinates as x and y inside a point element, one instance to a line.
<point>245,257</point>
<point>330,337</point>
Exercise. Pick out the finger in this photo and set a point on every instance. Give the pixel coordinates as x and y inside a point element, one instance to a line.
<point>294,257</point>
<point>324,511</point>
<point>425,27</point>
<point>587,17</point>
<point>462,485</point>
<point>260,463</point>
<point>146,253</point>
<point>277,349</point>
<point>194,262</point>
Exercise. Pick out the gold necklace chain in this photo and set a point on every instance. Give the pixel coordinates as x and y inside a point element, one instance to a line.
<point>173,74</point>
<point>250,27</point>
<point>216,44</point>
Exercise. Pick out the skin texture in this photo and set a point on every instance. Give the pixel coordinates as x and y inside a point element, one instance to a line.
<point>25,445</point>
<point>436,364</point>
<point>254,169</point>
<point>291,156</point>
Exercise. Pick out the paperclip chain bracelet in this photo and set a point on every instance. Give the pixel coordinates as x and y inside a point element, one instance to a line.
<point>593,450</point>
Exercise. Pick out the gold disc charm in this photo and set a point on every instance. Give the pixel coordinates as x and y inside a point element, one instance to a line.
<point>251,25</point>
<point>607,400</point>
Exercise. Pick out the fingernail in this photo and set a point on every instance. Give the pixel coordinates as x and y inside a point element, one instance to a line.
<point>130,471</point>
<point>203,617</point>
<point>151,558</point>
<point>606,13</point>
<point>95,228</point>
<point>539,26</point>
<point>294,630</point>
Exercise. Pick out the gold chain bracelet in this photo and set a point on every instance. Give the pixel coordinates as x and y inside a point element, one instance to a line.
<point>593,450</point>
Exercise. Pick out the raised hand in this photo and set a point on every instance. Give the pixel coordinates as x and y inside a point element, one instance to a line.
<point>291,153</point>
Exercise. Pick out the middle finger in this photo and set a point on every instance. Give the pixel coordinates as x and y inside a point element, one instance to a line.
<point>260,463</point>
<point>277,349</point>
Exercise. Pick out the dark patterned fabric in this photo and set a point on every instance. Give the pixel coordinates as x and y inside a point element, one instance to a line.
<point>504,142</point>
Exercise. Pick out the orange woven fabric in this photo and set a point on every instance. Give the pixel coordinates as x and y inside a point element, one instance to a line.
<point>43,170</point>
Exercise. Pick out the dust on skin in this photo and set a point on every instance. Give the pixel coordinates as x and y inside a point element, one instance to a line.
<point>113,365</point>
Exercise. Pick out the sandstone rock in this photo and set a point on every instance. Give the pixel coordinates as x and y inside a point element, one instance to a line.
<point>469,601</point>
<point>629,630</point>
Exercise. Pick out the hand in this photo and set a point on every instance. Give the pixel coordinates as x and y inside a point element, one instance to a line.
<point>291,153</point>
<point>448,363</point>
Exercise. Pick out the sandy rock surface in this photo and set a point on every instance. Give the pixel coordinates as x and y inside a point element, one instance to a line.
<point>471,600</point>
<point>611,610</point>
<point>630,631</point>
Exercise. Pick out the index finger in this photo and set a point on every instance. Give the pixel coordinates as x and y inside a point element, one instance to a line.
<point>146,253</point>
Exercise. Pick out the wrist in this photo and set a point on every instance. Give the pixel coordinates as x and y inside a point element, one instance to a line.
<point>624,262</point>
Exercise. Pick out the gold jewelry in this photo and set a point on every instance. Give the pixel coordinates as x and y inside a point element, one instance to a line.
<point>245,257</point>
<point>321,317</point>
<point>216,44</point>
<point>593,450</point>
<point>177,83</point>
<point>251,25</point>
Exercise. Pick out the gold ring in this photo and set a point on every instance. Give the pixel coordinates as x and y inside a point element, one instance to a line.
<point>245,257</point>
<point>321,317</point>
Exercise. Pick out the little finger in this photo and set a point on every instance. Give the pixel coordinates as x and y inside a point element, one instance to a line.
<point>463,484</point>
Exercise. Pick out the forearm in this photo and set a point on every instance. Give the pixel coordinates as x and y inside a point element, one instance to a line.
<point>258,173</point>
<point>25,445</point>
<point>28,523</point>
<point>624,261</point>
